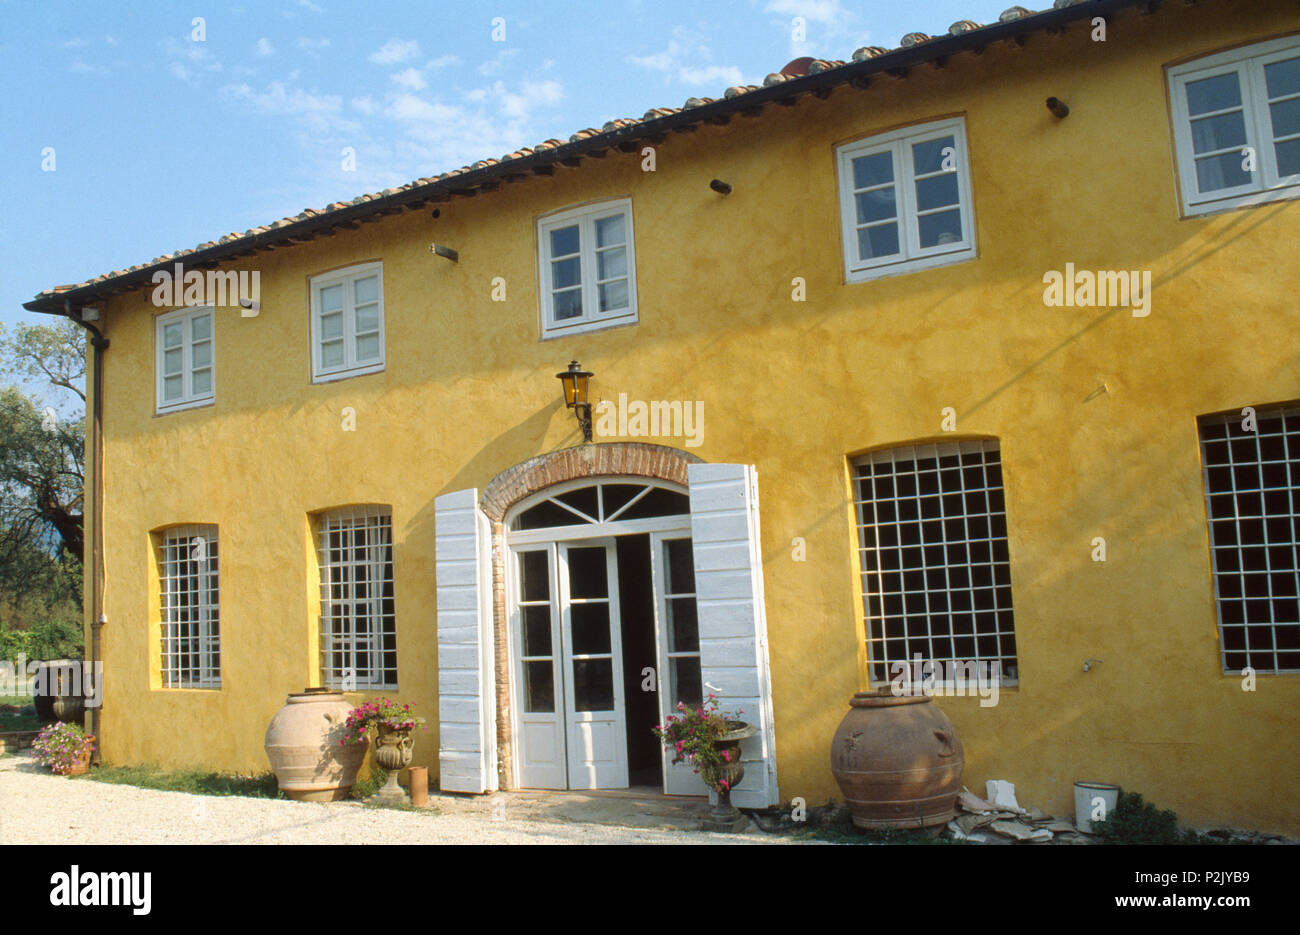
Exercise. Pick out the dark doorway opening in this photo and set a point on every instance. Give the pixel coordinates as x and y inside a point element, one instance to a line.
<point>636,600</point>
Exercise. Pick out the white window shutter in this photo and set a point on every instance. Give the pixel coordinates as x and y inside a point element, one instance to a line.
<point>732,621</point>
<point>467,758</point>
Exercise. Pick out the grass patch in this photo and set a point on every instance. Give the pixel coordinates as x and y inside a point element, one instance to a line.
<point>196,782</point>
<point>367,787</point>
<point>11,722</point>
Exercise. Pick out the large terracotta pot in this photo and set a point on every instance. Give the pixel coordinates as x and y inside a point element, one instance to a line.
<point>302,743</point>
<point>898,761</point>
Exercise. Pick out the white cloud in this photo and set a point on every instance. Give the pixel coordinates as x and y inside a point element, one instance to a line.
<point>188,60</point>
<point>687,60</point>
<point>497,62</point>
<point>265,48</point>
<point>830,30</point>
<point>321,112</point>
<point>312,45</point>
<point>394,51</point>
<point>443,61</point>
<point>410,79</point>
<point>307,4</point>
<point>77,43</point>
<point>364,105</point>
<point>712,75</point>
<point>532,95</point>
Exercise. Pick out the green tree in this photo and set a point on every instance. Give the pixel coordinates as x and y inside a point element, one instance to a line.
<point>41,466</point>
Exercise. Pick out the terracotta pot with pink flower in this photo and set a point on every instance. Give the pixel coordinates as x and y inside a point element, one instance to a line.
<point>711,743</point>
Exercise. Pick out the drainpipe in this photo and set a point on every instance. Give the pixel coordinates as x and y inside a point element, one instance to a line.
<point>95,444</point>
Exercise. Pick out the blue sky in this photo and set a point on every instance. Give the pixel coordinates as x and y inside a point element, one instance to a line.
<point>160,141</point>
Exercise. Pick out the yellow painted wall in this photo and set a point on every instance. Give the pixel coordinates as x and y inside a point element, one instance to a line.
<point>795,388</point>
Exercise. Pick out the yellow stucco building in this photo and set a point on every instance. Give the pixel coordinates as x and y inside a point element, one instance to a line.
<point>889,359</point>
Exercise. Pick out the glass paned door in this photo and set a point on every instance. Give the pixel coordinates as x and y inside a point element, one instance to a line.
<point>593,665</point>
<point>569,666</point>
<point>678,634</point>
<point>536,634</point>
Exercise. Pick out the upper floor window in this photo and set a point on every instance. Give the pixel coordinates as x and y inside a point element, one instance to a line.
<point>936,573</point>
<point>347,322</point>
<point>588,268</point>
<point>905,200</point>
<point>191,629</point>
<point>1237,126</point>
<point>184,364</point>
<point>1252,493</point>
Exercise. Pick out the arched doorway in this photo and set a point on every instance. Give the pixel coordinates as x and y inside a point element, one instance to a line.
<point>603,633</point>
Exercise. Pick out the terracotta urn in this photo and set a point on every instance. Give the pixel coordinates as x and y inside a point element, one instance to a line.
<point>70,708</point>
<point>724,816</point>
<point>303,743</point>
<point>898,761</point>
<point>393,749</point>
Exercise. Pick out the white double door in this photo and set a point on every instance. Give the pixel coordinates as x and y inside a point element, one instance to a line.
<point>570,695</point>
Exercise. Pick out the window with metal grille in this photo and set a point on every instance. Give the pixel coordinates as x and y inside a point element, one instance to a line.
<point>936,574</point>
<point>1252,491</point>
<point>191,638</point>
<point>358,632</point>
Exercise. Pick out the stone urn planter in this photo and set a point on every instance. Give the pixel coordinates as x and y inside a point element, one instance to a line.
<point>69,708</point>
<point>393,749</point>
<point>898,761</point>
<point>724,816</point>
<point>303,743</point>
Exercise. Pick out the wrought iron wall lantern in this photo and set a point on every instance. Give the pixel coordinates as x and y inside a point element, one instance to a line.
<point>575,381</point>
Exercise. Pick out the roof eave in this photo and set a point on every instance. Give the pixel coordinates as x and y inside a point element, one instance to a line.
<point>718,111</point>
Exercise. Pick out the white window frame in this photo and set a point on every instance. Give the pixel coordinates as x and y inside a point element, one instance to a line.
<point>350,367</point>
<point>912,255</point>
<point>592,319</point>
<point>1248,63</point>
<point>381,635</point>
<point>179,548</point>
<point>884,625</point>
<point>189,398</point>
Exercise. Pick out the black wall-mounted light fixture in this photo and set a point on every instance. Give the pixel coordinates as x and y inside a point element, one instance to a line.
<point>439,250</point>
<point>575,381</point>
<point>721,187</point>
<point>1058,108</point>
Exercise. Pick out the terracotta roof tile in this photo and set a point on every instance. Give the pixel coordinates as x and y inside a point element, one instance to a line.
<point>818,66</point>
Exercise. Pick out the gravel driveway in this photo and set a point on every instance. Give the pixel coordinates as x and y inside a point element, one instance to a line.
<point>37,807</point>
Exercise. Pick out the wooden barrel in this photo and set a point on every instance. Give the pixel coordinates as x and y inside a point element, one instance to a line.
<point>898,761</point>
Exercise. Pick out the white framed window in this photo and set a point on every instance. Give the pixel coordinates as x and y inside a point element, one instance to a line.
<point>358,626</point>
<point>347,322</point>
<point>936,573</point>
<point>905,200</point>
<point>184,364</point>
<point>1236,122</point>
<point>587,265</point>
<point>190,626</point>
<point>1252,501</point>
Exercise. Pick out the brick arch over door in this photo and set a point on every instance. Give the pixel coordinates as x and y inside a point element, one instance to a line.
<point>626,459</point>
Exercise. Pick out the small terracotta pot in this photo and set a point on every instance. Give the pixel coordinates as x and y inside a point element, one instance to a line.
<point>898,761</point>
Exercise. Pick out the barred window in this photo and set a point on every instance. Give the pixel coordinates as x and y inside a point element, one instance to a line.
<point>358,627</point>
<point>936,574</point>
<point>1252,491</point>
<point>191,639</point>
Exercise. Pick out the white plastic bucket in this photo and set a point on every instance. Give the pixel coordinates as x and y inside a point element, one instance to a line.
<point>1085,796</point>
